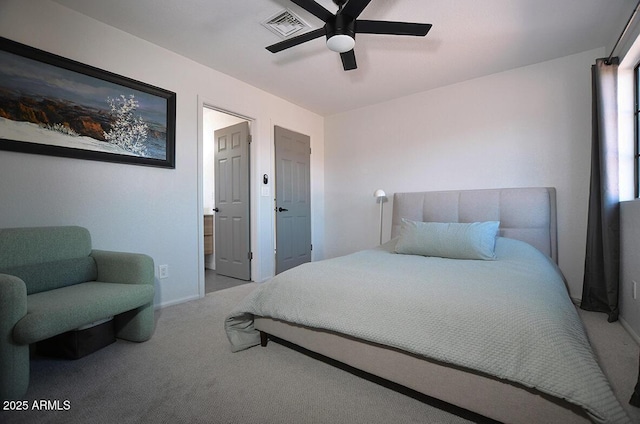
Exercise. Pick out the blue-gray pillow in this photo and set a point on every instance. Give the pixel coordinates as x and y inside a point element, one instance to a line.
<point>474,240</point>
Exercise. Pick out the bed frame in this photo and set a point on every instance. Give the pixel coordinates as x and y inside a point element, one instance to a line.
<point>527,214</point>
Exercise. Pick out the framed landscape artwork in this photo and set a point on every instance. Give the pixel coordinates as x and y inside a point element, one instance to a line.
<point>56,106</point>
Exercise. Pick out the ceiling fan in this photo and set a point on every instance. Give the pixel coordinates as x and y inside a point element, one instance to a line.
<point>341,28</point>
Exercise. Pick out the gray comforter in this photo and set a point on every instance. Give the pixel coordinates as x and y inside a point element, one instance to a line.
<point>511,318</point>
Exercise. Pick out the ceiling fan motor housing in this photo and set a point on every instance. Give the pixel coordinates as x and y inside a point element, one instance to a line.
<point>341,25</point>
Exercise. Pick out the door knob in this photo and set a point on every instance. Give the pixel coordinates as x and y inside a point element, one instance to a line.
<point>216,210</point>
<point>282,210</point>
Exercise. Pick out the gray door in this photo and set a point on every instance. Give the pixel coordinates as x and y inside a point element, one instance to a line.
<point>232,236</point>
<point>293,206</point>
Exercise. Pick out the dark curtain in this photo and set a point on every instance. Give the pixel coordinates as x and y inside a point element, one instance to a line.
<point>635,397</point>
<point>601,269</point>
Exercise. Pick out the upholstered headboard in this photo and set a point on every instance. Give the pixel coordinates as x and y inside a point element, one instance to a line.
<point>527,214</point>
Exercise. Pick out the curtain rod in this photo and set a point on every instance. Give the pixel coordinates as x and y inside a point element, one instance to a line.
<point>624,31</point>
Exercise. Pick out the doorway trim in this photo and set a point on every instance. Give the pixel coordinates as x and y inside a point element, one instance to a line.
<point>210,104</point>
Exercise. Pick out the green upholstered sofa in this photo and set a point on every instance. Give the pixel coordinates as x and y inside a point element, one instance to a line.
<point>52,281</point>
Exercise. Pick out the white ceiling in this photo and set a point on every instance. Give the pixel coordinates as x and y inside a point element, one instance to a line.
<point>469,39</point>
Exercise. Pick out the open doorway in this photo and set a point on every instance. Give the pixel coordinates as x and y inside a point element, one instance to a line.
<point>215,121</point>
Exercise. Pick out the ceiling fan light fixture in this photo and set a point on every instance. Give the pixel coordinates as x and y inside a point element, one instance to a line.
<point>341,43</point>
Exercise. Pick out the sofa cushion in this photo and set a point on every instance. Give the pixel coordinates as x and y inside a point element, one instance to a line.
<point>67,308</point>
<point>52,275</point>
<point>24,246</point>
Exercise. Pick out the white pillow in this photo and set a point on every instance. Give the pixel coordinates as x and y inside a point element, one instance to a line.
<point>475,240</point>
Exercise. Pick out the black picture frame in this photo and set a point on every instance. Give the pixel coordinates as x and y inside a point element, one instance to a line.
<point>51,105</point>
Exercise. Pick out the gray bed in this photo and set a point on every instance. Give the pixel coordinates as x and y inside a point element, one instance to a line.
<point>454,349</point>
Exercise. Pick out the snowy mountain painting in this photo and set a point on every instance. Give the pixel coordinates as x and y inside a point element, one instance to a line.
<point>52,105</point>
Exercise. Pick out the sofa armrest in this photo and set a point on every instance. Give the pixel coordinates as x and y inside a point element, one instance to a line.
<point>14,358</point>
<point>122,267</point>
<point>13,302</point>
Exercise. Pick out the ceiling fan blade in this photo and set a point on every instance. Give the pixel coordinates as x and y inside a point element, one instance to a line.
<point>348,60</point>
<point>314,8</point>
<point>311,35</point>
<point>394,28</point>
<point>354,8</point>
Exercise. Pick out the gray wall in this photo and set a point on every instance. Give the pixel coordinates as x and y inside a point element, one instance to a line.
<point>630,266</point>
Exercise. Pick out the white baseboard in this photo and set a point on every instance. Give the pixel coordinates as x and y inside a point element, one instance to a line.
<point>175,302</point>
<point>632,333</point>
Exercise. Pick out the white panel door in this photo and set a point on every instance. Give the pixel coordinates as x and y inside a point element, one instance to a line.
<point>232,236</point>
<point>293,207</point>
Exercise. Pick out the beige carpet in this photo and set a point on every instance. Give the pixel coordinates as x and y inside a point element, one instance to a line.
<point>187,374</point>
